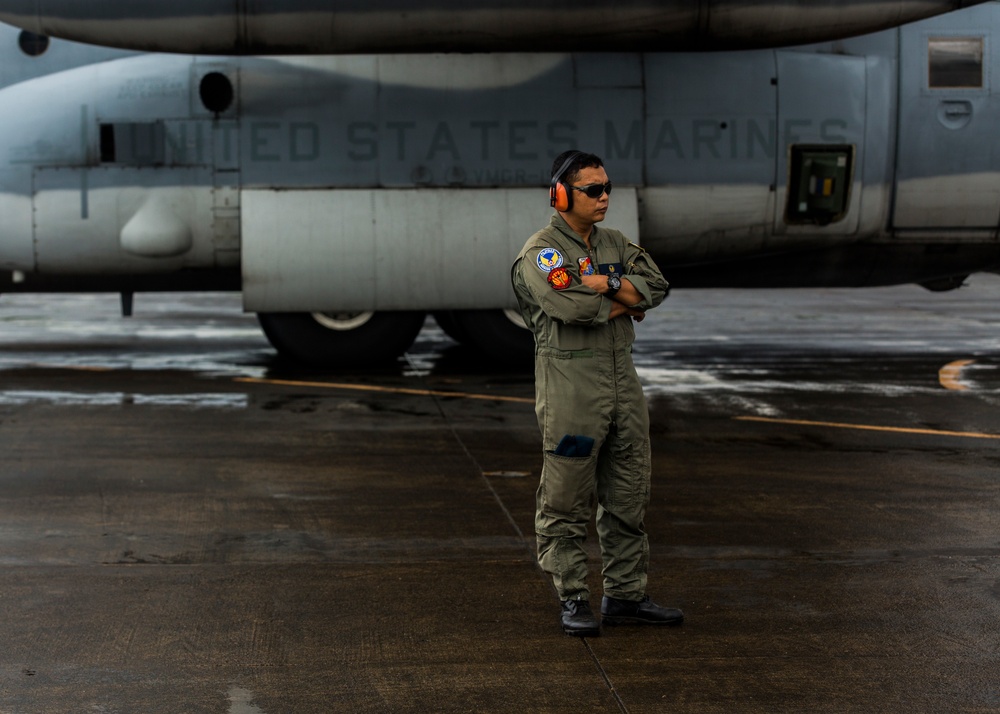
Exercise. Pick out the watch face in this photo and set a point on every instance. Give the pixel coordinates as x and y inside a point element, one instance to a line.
<point>614,281</point>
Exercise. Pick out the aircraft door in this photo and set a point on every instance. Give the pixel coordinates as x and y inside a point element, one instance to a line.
<point>947,174</point>
<point>821,130</point>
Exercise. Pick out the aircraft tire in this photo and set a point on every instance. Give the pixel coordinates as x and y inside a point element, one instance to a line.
<point>498,334</point>
<point>332,340</point>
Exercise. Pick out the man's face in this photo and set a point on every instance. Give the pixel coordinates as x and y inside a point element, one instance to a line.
<point>586,209</point>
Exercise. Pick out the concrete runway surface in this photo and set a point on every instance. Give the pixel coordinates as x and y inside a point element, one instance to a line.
<point>188,525</point>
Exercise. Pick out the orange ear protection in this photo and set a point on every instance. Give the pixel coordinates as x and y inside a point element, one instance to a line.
<point>560,197</point>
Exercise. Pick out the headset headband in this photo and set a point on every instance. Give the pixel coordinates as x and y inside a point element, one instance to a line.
<point>562,169</point>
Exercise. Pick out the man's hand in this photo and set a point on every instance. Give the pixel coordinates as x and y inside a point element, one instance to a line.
<point>617,310</point>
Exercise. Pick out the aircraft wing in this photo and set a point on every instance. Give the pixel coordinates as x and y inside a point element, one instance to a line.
<point>371,26</point>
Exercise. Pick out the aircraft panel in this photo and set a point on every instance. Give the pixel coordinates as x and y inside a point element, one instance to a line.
<point>17,214</point>
<point>303,243</point>
<point>113,220</point>
<point>392,249</point>
<point>946,173</point>
<point>877,164</point>
<point>834,117</point>
<point>608,69</point>
<point>714,132</point>
<point>695,222</point>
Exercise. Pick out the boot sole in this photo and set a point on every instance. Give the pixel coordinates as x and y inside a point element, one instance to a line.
<point>596,632</point>
<point>614,621</point>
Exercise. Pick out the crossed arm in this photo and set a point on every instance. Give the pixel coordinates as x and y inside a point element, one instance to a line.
<point>624,299</point>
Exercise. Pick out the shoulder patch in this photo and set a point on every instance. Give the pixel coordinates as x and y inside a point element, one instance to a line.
<point>549,259</point>
<point>560,279</point>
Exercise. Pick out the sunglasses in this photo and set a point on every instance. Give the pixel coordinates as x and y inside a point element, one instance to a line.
<point>594,190</point>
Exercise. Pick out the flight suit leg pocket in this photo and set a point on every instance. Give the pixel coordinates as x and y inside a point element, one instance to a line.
<point>626,485</point>
<point>568,484</point>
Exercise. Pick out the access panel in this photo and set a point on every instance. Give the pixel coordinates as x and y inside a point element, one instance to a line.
<point>821,135</point>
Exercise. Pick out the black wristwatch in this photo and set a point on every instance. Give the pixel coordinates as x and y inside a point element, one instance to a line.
<point>614,285</point>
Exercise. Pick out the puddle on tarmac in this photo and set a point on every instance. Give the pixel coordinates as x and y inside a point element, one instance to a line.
<point>111,399</point>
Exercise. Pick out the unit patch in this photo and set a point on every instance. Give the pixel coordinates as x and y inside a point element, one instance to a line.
<point>586,267</point>
<point>549,259</point>
<point>560,279</point>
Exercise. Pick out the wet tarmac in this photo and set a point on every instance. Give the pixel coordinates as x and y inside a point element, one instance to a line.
<point>189,525</point>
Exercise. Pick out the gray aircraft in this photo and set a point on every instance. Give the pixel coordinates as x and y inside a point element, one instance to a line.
<point>348,196</point>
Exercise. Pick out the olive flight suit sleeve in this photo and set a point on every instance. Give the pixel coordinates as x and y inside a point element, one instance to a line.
<point>569,302</point>
<point>641,271</point>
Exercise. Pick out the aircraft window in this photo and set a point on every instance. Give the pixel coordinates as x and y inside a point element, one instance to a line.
<point>31,44</point>
<point>107,143</point>
<point>819,183</point>
<point>955,62</point>
<point>216,92</point>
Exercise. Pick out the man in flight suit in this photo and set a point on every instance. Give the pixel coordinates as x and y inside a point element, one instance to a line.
<point>579,287</point>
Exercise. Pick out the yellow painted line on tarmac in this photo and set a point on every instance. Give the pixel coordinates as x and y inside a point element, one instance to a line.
<point>950,376</point>
<point>869,427</point>
<point>387,390</point>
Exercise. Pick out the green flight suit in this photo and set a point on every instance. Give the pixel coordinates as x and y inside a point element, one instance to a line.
<point>586,388</point>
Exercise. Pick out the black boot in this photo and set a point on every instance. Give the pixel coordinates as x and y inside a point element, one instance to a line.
<point>578,619</point>
<point>639,612</point>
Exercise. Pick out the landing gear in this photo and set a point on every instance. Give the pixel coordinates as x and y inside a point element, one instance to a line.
<point>498,334</point>
<point>341,339</point>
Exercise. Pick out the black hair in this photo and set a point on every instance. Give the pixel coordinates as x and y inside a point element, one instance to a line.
<point>583,161</point>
